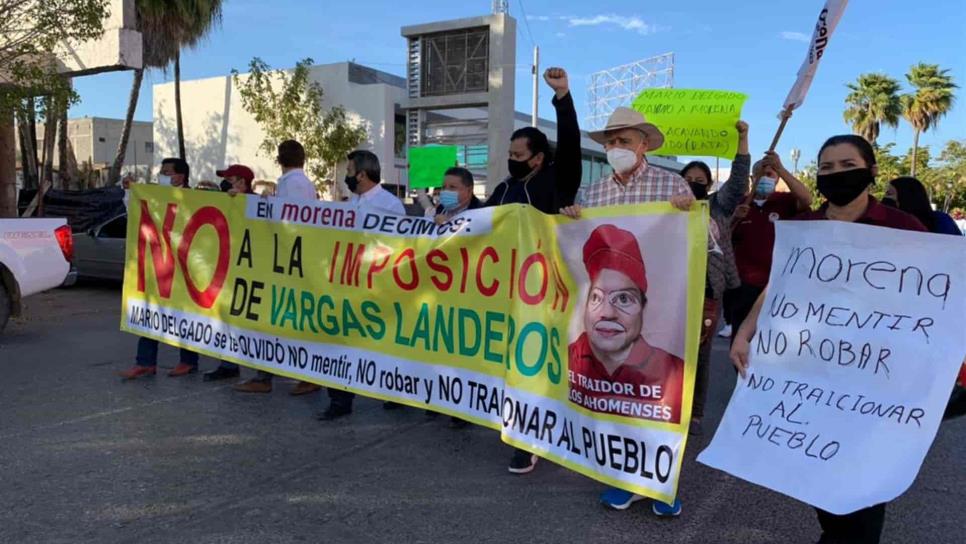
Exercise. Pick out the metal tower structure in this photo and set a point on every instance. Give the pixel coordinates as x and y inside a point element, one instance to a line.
<point>501,6</point>
<point>460,83</point>
<point>619,86</point>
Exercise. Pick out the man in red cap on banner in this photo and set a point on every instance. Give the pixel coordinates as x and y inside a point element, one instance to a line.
<point>612,367</point>
<point>238,178</point>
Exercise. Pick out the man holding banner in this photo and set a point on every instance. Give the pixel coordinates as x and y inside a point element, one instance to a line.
<point>626,138</point>
<point>364,179</point>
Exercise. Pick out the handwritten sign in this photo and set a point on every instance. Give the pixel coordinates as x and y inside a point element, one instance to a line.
<point>428,164</point>
<point>858,345</point>
<point>694,122</point>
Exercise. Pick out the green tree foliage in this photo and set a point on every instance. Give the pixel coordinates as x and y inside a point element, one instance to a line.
<point>873,101</point>
<point>30,33</point>
<point>890,166</point>
<point>951,172</point>
<point>288,105</point>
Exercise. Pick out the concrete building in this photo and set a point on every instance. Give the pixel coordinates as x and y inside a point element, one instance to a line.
<point>218,131</point>
<point>95,140</point>
<point>458,90</point>
<point>463,63</point>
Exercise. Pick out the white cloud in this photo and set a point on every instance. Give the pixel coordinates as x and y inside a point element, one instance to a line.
<point>796,36</point>
<point>560,35</point>
<point>626,22</point>
<point>542,18</point>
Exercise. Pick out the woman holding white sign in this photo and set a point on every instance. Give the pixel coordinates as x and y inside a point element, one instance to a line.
<point>846,170</point>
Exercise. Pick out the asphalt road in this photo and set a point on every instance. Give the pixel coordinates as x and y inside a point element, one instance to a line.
<point>87,458</point>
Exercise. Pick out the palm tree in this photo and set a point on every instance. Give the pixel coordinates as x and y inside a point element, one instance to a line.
<point>874,100</point>
<point>930,101</point>
<point>166,26</point>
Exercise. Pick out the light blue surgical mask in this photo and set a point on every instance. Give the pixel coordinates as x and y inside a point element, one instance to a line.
<point>449,199</point>
<point>765,187</point>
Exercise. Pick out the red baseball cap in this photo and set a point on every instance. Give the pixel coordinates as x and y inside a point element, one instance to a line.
<point>239,170</point>
<point>615,249</point>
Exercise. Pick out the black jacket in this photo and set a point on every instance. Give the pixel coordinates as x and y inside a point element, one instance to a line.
<point>555,185</point>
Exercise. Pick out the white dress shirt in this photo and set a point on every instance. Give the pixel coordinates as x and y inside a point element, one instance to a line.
<point>378,199</point>
<point>296,185</point>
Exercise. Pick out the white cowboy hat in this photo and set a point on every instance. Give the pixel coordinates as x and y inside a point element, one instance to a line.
<point>627,118</point>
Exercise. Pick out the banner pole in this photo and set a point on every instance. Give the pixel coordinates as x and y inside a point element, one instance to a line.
<point>785,116</point>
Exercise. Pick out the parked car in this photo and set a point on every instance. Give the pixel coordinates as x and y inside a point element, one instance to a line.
<point>99,252</point>
<point>35,255</point>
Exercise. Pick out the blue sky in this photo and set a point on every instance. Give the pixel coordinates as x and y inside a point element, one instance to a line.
<point>752,46</point>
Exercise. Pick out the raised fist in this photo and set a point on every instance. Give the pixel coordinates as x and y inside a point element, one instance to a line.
<point>557,79</point>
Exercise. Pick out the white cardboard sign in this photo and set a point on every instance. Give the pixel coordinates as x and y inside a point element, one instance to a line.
<point>858,345</point>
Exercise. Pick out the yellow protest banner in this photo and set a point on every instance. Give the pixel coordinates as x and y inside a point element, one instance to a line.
<point>577,340</point>
<point>694,121</point>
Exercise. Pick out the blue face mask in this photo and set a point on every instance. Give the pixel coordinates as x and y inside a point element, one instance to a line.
<point>765,187</point>
<point>449,199</point>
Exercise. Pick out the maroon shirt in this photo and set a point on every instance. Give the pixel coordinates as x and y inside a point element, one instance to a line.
<point>647,386</point>
<point>876,215</point>
<point>753,237</point>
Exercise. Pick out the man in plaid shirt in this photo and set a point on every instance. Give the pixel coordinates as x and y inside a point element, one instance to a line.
<point>626,138</point>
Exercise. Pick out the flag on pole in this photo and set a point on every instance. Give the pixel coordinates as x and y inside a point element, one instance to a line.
<point>828,19</point>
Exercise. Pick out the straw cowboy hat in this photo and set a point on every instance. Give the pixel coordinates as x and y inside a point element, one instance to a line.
<point>627,118</point>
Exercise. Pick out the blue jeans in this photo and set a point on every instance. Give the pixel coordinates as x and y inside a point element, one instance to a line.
<point>148,354</point>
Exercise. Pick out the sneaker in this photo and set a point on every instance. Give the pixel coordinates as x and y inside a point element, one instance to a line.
<point>522,462</point>
<point>662,509</point>
<point>725,331</point>
<point>182,369</point>
<point>618,499</point>
<point>137,371</point>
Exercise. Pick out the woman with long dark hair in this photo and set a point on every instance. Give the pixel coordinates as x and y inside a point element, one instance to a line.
<point>909,195</point>
<point>846,171</point>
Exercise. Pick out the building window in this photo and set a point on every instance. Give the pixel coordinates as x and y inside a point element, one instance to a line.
<point>399,136</point>
<point>101,139</point>
<point>455,62</point>
<point>149,147</point>
<point>586,176</point>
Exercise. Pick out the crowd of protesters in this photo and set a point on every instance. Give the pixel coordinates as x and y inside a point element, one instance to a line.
<point>743,212</point>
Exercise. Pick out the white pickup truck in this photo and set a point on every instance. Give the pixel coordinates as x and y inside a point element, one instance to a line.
<point>35,255</point>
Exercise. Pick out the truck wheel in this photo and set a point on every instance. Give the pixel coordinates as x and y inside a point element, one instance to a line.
<point>5,304</point>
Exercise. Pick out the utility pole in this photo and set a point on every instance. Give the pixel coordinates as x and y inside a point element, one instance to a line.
<point>536,84</point>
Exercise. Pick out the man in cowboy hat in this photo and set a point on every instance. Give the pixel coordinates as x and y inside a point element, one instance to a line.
<point>626,138</point>
<point>613,369</point>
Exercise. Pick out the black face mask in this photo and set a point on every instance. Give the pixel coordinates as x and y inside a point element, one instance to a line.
<point>890,202</point>
<point>352,182</point>
<point>700,190</point>
<point>843,187</point>
<point>518,169</point>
